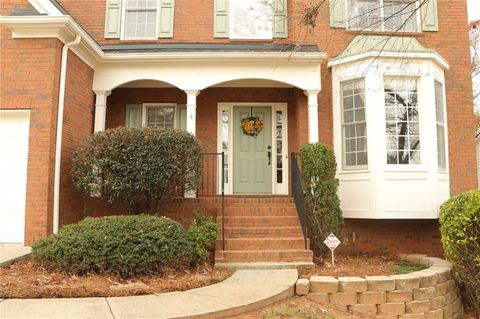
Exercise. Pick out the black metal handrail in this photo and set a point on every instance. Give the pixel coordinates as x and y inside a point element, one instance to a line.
<point>298,192</point>
<point>209,183</point>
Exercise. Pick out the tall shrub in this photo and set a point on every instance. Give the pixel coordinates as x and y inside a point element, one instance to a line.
<point>323,205</point>
<point>136,168</point>
<point>460,229</point>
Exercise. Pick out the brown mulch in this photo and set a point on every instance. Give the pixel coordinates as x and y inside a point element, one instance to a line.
<point>28,279</point>
<point>353,265</point>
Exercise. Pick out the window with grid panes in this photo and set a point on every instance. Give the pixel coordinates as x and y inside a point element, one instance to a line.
<point>354,125</point>
<point>402,125</point>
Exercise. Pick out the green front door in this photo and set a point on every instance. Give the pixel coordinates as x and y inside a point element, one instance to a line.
<point>252,165</point>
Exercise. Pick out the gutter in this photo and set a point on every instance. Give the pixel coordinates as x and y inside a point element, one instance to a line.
<point>58,142</point>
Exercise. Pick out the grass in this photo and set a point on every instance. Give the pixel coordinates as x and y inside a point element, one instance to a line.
<point>298,312</point>
<point>405,268</point>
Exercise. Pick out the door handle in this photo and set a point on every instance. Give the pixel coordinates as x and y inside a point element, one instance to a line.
<point>269,154</point>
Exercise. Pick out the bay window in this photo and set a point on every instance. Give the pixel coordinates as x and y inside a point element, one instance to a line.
<point>401,119</point>
<point>354,126</point>
<point>383,15</point>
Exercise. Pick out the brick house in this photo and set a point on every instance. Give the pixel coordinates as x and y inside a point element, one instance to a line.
<point>396,107</point>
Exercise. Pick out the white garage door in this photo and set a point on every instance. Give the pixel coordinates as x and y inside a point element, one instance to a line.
<point>14,128</point>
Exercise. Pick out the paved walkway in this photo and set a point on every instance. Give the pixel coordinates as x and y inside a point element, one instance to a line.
<point>246,290</point>
<point>11,252</point>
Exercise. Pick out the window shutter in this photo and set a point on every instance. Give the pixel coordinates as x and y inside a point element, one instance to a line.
<point>429,15</point>
<point>182,117</point>
<point>280,19</point>
<point>133,118</point>
<point>338,14</point>
<point>221,19</point>
<point>165,18</point>
<point>113,17</point>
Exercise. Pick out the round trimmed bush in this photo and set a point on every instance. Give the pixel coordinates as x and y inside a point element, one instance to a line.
<point>124,245</point>
<point>460,229</point>
<point>136,168</point>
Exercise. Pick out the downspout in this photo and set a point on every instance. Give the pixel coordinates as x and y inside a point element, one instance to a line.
<point>58,142</point>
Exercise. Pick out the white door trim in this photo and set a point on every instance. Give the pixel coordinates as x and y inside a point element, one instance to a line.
<point>277,188</point>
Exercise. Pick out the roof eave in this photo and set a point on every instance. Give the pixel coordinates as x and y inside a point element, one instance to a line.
<point>433,55</point>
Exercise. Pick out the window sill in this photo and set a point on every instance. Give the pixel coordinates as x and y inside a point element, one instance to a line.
<point>388,33</point>
<point>355,171</point>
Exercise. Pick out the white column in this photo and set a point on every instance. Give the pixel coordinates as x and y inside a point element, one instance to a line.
<point>100,110</point>
<point>192,110</point>
<point>312,115</point>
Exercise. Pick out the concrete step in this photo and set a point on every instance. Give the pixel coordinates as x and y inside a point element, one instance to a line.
<point>263,243</point>
<point>286,255</point>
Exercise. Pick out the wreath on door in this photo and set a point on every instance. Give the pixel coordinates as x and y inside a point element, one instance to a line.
<point>252,125</point>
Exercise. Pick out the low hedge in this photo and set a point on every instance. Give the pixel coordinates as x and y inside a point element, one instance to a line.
<point>126,245</point>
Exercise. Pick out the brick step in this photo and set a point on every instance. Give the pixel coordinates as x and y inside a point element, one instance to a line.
<point>292,255</point>
<point>262,232</point>
<point>256,221</point>
<point>266,243</point>
<point>259,211</point>
<point>258,200</point>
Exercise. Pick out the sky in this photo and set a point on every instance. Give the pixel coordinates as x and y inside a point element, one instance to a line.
<point>473,10</point>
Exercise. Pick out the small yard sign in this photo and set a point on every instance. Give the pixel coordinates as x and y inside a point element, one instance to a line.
<point>332,242</point>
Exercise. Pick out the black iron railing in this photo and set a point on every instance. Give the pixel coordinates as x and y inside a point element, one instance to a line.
<point>212,182</point>
<point>298,192</point>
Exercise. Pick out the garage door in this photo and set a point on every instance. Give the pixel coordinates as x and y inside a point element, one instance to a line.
<point>14,128</point>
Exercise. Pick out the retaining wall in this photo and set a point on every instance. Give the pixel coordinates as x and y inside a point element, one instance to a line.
<point>427,294</point>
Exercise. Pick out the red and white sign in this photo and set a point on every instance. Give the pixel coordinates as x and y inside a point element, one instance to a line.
<point>332,242</point>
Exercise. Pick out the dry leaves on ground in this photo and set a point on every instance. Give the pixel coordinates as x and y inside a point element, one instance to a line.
<point>28,279</point>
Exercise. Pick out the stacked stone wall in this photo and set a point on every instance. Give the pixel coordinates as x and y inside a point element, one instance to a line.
<point>427,294</point>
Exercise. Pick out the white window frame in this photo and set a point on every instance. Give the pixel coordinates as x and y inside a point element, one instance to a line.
<point>443,124</point>
<point>277,188</point>
<point>409,166</point>
<point>123,21</point>
<point>144,112</point>
<point>231,26</point>
<point>381,27</point>
<point>346,167</point>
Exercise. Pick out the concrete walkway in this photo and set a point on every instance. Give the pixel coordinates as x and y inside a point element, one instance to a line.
<point>246,290</point>
<point>11,252</point>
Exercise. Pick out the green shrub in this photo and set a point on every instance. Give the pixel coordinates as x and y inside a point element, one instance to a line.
<point>136,168</point>
<point>322,203</point>
<point>460,229</point>
<point>203,235</point>
<point>125,245</point>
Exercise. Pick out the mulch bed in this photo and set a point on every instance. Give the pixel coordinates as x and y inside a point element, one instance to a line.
<point>29,279</point>
<point>353,265</point>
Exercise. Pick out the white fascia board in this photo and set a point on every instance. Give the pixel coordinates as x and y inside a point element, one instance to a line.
<point>62,27</point>
<point>233,56</point>
<point>437,58</point>
<point>45,7</point>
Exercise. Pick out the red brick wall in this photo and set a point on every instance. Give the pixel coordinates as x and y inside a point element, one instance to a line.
<point>392,237</point>
<point>33,86</point>
<point>77,124</point>
<point>194,23</point>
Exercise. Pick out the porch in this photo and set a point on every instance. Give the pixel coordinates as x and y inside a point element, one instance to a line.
<point>257,217</point>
